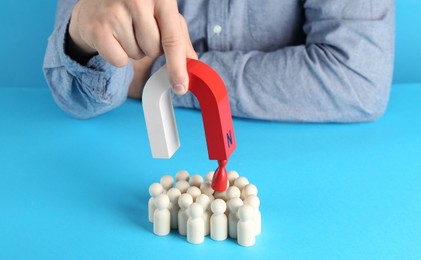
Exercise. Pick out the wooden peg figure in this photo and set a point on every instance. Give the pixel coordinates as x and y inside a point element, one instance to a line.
<point>182,175</point>
<point>206,188</point>
<point>254,201</point>
<point>173,195</point>
<point>234,206</point>
<point>249,189</point>
<point>182,186</point>
<point>241,182</point>
<point>196,180</point>
<point>195,224</point>
<point>194,192</point>
<point>167,181</point>
<point>154,190</point>
<point>246,234</point>
<point>161,216</point>
<point>218,221</point>
<point>232,176</point>
<point>205,201</point>
<point>184,201</point>
<point>232,192</point>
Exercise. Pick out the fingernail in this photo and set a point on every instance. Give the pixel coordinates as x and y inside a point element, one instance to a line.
<point>179,88</point>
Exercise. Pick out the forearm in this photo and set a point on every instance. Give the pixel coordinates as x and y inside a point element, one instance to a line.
<point>306,84</point>
<point>342,74</point>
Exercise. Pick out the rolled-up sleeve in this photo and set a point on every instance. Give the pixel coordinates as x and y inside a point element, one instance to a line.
<point>82,91</point>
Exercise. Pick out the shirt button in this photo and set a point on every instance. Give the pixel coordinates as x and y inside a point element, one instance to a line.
<point>217,29</point>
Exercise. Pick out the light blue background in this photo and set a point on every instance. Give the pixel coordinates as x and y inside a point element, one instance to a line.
<point>25,26</point>
<point>24,29</point>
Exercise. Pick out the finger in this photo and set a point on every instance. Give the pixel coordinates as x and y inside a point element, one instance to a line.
<point>146,30</point>
<point>173,44</point>
<point>109,48</point>
<point>124,33</point>
<point>191,53</point>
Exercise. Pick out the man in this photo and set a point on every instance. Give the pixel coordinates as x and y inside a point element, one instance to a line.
<point>283,60</point>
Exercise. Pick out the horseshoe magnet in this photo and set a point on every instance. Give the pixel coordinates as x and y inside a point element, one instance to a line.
<point>212,95</point>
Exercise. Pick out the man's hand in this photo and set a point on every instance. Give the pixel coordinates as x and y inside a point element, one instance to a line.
<point>123,29</point>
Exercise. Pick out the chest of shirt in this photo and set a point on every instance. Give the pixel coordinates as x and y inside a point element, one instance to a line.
<point>224,25</point>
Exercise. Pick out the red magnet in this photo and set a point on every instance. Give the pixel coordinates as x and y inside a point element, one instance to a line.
<point>212,95</point>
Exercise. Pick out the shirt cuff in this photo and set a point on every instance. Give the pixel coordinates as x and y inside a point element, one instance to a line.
<point>95,75</point>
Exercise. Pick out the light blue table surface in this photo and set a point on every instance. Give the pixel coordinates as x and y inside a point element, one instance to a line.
<point>74,189</point>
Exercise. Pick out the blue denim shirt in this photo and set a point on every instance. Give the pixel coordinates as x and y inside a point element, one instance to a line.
<point>283,60</point>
